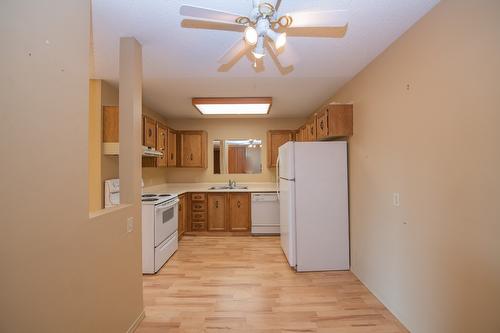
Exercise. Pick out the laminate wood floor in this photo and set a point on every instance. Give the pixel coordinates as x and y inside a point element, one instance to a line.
<point>244,284</point>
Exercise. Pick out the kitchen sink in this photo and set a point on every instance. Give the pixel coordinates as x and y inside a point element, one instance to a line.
<point>227,187</point>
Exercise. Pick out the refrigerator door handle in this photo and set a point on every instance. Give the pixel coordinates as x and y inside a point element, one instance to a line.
<point>278,177</point>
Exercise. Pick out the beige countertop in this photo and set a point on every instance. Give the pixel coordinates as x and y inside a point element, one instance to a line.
<point>180,188</point>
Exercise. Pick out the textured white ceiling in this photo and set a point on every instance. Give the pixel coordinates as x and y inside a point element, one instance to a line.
<point>181,63</point>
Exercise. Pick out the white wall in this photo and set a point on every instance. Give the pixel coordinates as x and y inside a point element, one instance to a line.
<point>61,271</point>
<point>435,260</point>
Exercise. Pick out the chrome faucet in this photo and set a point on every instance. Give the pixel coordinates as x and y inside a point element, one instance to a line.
<point>232,183</point>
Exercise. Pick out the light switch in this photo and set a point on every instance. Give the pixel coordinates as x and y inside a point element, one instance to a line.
<point>395,199</point>
<point>130,224</point>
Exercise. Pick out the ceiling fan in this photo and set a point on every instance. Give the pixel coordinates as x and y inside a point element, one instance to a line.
<point>264,29</point>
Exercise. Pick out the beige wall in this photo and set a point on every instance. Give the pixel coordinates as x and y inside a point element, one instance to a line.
<point>435,260</point>
<point>61,271</point>
<point>151,176</point>
<point>229,129</point>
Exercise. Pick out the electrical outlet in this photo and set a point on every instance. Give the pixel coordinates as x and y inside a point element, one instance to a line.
<point>130,224</point>
<point>395,199</point>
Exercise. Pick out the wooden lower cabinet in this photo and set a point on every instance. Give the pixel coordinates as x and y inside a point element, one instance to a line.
<point>239,211</point>
<point>182,215</point>
<point>216,212</point>
<point>222,212</point>
<point>198,212</point>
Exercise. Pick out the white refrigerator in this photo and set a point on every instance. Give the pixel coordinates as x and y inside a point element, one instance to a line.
<point>314,212</point>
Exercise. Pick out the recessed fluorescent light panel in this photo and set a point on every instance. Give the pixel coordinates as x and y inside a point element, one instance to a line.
<point>233,106</point>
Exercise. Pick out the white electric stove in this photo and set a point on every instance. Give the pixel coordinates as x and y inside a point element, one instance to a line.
<point>159,230</point>
<point>159,224</point>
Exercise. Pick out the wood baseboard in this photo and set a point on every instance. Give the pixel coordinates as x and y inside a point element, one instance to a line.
<point>136,322</point>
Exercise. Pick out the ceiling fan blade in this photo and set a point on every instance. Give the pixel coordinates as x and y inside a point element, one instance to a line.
<point>238,49</point>
<point>277,5</point>
<point>277,57</point>
<point>208,14</point>
<point>321,32</point>
<point>211,25</point>
<point>330,18</point>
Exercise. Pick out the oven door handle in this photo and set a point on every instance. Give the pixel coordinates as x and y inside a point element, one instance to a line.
<point>169,204</point>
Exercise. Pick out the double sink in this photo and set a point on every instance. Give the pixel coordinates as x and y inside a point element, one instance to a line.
<point>227,187</point>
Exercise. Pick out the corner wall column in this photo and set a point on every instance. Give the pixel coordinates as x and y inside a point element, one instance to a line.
<point>130,103</point>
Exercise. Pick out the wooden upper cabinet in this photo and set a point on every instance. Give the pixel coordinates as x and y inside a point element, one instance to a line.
<point>149,132</point>
<point>340,120</point>
<point>216,212</point>
<point>161,145</point>
<point>322,124</point>
<point>193,149</point>
<point>275,139</point>
<point>110,124</point>
<point>239,211</point>
<point>171,148</point>
<point>311,129</point>
<point>303,133</point>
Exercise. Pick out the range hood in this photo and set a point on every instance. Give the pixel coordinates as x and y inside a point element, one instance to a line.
<point>113,148</point>
<point>151,152</point>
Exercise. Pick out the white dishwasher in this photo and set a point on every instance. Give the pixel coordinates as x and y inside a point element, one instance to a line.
<point>265,214</point>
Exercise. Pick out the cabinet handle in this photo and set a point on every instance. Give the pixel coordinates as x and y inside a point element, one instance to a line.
<point>217,204</point>
<point>171,156</point>
<point>150,132</point>
<point>321,125</point>
<point>238,204</point>
<point>191,157</point>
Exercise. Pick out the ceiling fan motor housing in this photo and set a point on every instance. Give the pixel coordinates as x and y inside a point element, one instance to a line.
<point>262,26</point>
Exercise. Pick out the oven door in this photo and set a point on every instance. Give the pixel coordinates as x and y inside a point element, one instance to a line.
<point>166,220</point>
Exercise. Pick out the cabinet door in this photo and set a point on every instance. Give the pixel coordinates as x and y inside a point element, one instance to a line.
<point>322,124</point>
<point>239,212</point>
<point>171,148</point>
<point>302,133</point>
<point>161,146</point>
<point>110,124</point>
<point>149,132</point>
<point>216,212</point>
<point>274,140</point>
<point>182,215</point>
<point>193,149</point>
<point>311,129</point>
<point>340,120</point>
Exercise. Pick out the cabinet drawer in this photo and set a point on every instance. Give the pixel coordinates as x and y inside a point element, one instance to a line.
<point>198,216</point>
<point>198,197</point>
<point>197,226</point>
<point>199,206</point>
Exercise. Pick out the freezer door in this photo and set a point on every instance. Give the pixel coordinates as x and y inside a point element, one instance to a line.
<point>287,219</point>
<point>286,162</point>
<point>321,206</point>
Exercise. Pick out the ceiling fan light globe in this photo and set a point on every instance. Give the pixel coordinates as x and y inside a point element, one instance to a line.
<point>251,36</point>
<point>258,55</point>
<point>281,41</point>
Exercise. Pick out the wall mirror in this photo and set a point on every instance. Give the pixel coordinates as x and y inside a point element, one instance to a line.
<point>237,156</point>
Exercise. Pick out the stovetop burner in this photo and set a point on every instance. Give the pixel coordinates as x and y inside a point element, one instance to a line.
<point>165,195</point>
<point>149,195</point>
